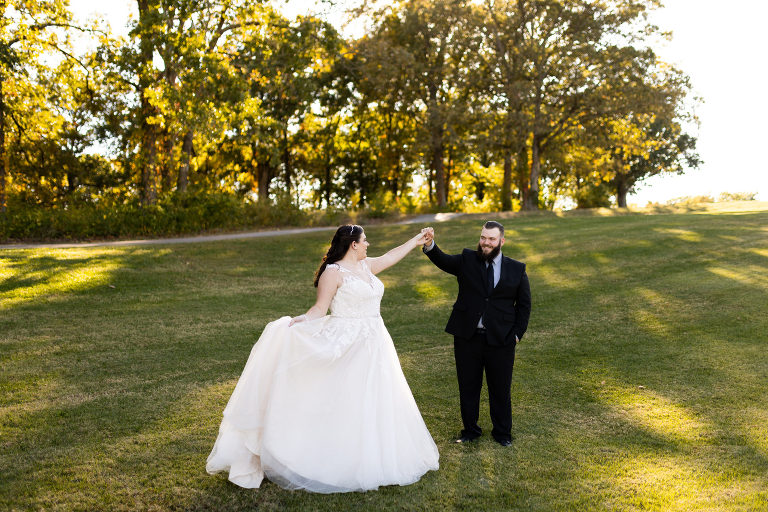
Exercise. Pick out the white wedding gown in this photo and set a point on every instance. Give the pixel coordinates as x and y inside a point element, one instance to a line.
<point>324,406</point>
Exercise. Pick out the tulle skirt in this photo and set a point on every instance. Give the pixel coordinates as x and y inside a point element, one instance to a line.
<point>323,406</point>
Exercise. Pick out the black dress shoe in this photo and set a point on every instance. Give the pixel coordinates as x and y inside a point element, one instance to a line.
<point>465,439</point>
<point>505,442</point>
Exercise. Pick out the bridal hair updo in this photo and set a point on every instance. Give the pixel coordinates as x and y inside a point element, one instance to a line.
<point>343,238</point>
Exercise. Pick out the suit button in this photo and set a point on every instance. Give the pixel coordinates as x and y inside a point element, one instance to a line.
<point>486,299</point>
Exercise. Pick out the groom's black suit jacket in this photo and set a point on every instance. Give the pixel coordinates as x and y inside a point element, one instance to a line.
<point>505,309</point>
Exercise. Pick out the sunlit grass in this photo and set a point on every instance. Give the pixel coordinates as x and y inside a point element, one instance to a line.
<point>653,412</point>
<point>27,278</point>
<point>640,385</point>
<point>749,274</point>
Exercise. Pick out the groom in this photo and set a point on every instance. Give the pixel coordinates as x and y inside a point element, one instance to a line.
<point>489,317</point>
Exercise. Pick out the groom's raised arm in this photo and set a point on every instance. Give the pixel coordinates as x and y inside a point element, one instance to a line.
<point>450,263</point>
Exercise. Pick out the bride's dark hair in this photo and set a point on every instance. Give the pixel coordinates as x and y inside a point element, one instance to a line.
<point>343,238</point>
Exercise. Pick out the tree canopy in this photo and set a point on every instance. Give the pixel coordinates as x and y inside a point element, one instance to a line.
<point>492,105</point>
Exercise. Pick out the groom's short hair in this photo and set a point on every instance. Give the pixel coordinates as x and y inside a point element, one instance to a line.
<point>493,224</point>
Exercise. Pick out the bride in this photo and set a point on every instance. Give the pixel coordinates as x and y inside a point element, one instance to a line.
<point>322,403</point>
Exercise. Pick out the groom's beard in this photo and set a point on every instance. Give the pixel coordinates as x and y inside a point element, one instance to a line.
<point>491,255</point>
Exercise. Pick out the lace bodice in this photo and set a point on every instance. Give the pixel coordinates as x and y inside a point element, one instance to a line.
<point>357,298</point>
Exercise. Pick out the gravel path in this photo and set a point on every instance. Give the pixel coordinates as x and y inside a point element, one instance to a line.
<point>419,219</point>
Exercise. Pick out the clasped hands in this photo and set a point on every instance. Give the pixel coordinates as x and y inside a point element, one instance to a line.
<point>426,237</point>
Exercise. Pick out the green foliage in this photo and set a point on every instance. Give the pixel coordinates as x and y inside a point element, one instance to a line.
<point>592,195</point>
<point>193,212</point>
<point>382,204</point>
<point>485,105</point>
<point>187,213</point>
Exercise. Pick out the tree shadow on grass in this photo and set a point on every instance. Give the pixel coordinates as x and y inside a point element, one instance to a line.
<point>665,326</point>
<point>101,360</point>
<point>588,282</point>
<point>122,427</point>
<point>115,376</point>
<point>32,275</point>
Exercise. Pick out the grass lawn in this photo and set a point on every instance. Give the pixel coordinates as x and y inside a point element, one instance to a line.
<point>641,384</point>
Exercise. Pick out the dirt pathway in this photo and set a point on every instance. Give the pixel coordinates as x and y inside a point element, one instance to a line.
<point>419,219</point>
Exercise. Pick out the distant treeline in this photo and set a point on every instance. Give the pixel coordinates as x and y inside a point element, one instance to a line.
<point>492,105</point>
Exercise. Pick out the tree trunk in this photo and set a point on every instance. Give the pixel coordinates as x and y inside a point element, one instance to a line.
<point>148,154</point>
<point>361,171</point>
<point>522,173</point>
<point>165,169</point>
<point>287,169</point>
<point>327,185</point>
<point>149,167</point>
<point>3,158</point>
<point>622,189</point>
<point>148,151</point>
<point>437,149</point>
<point>186,150</point>
<point>430,193</point>
<point>506,185</point>
<point>437,163</point>
<point>532,201</point>
<point>394,182</point>
<point>72,183</point>
<point>264,171</point>
<point>448,175</point>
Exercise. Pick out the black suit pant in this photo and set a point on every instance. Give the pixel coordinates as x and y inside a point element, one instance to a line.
<point>473,356</point>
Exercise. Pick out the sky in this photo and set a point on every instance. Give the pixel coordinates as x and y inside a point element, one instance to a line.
<point>719,45</point>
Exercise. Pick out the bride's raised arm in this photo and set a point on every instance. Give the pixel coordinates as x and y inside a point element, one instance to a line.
<point>394,255</point>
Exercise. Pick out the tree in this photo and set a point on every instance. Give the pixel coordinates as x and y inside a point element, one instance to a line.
<point>436,42</point>
<point>176,71</point>
<point>52,167</point>
<point>645,136</point>
<point>196,44</point>
<point>559,61</point>
<point>502,103</point>
<point>506,90</point>
<point>284,67</point>
<point>383,113</point>
<point>645,146</point>
<point>28,30</point>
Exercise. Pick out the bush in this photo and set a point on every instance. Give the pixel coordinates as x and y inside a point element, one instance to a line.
<point>382,204</point>
<point>690,200</point>
<point>737,196</point>
<point>592,195</point>
<point>179,214</point>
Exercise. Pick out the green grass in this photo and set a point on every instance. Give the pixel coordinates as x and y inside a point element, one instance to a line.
<point>641,384</point>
